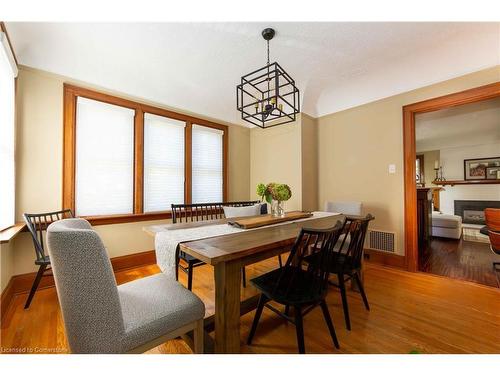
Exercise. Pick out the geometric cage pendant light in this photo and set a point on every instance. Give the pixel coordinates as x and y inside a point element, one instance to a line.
<point>268,96</point>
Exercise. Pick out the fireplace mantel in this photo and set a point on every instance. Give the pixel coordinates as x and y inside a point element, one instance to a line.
<point>466,182</point>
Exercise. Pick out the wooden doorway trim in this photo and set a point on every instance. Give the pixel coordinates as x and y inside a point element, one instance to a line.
<point>409,151</point>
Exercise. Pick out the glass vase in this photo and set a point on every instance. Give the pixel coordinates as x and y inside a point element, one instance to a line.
<point>277,209</point>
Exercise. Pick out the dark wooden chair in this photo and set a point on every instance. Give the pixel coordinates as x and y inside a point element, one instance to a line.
<point>300,284</point>
<point>185,213</point>
<point>347,262</point>
<point>36,224</point>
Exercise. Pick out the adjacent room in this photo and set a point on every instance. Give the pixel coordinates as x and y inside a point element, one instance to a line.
<point>250,187</point>
<point>458,167</point>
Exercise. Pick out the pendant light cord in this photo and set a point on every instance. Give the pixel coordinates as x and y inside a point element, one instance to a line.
<point>268,80</point>
<point>268,52</point>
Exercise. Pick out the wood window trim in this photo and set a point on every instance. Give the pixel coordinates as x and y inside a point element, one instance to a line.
<point>9,233</point>
<point>409,154</point>
<point>70,95</point>
<point>3,28</point>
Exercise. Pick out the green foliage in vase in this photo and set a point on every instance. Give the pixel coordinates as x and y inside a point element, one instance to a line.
<point>281,192</point>
<point>278,192</point>
<point>261,190</point>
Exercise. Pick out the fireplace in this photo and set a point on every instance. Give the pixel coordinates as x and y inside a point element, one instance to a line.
<point>472,212</point>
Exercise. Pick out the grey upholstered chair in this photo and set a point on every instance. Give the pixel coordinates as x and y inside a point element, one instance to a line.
<point>346,208</point>
<point>101,317</point>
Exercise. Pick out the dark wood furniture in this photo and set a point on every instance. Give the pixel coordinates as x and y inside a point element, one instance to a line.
<point>37,224</point>
<point>347,260</point>
<point>227,254</point>
<point>424,220</point>
<point>185,213</point>
<point>300,283</point>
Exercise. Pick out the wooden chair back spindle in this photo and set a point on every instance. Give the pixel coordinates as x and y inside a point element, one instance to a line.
<point>317,244</point>
<point>183,213</point>
<point>352,245</point>
<point>38,223</point>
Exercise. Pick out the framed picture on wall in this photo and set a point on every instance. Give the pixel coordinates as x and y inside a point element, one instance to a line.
<point>476,169</point>
<point>493,173</point>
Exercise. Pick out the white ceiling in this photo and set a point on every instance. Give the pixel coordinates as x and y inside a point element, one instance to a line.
<point>196,66</point>
<point>465,125</point>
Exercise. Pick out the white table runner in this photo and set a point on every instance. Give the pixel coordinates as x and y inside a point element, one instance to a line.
<point>167,241</point>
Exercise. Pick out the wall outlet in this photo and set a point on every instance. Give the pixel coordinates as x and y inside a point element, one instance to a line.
<point>392,168</point>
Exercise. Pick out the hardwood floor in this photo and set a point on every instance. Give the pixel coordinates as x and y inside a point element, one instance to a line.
<point>463,260</point>
<point>409,311</point>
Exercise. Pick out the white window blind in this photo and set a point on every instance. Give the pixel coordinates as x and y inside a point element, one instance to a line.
<point>207,172</point>
<point>104,158</point>
<point>163,162</point>
<point>8,72</point>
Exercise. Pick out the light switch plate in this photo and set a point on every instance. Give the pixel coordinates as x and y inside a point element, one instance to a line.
<point>392,168</point>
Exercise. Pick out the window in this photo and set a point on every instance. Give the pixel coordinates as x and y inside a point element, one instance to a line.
<point>163,162</point>
<point>419,169</point>
<point>126,161</point>
<point>104,159</point>
<point>207,164</point>
<point>8,73</point>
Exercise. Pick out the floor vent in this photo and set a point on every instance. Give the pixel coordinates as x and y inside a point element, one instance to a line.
<point>383,241</point>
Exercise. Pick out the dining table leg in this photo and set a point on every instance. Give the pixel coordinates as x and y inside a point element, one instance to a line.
<point>227,307</point>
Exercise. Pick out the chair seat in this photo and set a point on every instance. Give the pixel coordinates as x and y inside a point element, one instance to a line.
<point>338,264</point>
<point>154,306</point>
<point>302,292</point>
<point>45,260</point>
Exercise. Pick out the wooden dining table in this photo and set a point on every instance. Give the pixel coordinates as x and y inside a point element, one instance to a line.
<point>227,254</point>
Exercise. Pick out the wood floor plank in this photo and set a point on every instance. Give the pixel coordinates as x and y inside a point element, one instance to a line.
<point>409,311</point>
<point>462,260</point>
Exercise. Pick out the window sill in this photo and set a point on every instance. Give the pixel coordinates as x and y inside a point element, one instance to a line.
<point>128,218</point>
<point>9,233</point>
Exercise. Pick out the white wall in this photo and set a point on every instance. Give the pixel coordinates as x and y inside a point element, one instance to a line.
<point>276,157</point>
<point>287,154</point>
<point>452,160</point>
